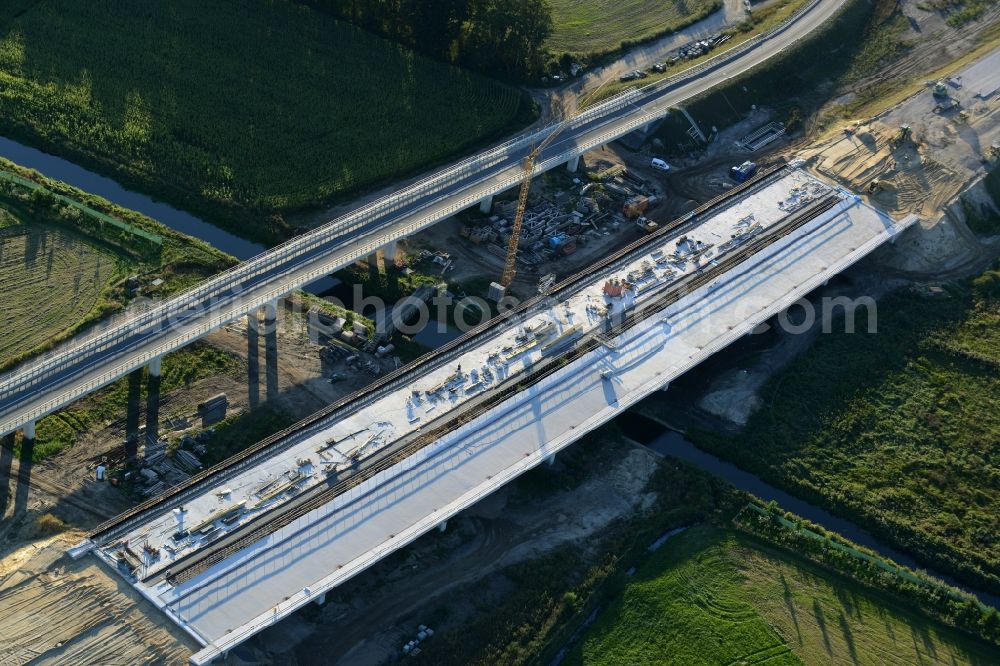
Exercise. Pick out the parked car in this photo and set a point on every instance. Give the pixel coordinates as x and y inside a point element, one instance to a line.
<point>659,165</point>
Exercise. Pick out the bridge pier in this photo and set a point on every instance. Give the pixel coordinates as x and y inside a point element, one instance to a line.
<point>550,459</point>
<point>665,387</point>
<point>389,252</point>
<point>28,432</point>
<point>271,349</point>
<point>573,164</point>
<point>442,526</point>
<point>486,204</point>
<point>153,401</point>
<point>253,359</point>
<point>132,415</point>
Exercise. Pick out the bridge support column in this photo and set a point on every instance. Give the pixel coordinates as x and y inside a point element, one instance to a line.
<point>645,128</point>
<point>550,459</point>
<point>321,599</point>
<point>486,205</point>
<point>28,432</point>
<point>573,164</point>
<point>132,415</point>
<point>253,358</point>
<point>389,251</point>
<point>442,526</point>
<point>153,401</point>
<point>665,387</point>
<point>271,348</point>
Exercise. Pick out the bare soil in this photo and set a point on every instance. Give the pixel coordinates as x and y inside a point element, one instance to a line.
<point>57,611</point>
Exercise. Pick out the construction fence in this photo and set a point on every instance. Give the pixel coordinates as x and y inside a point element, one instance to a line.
<point>127,236</point>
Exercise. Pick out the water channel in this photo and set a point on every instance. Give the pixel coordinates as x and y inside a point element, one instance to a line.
<point>58,168</point>
<point>671,443</point>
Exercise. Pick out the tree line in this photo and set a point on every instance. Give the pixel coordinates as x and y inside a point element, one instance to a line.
<point>501,38</point>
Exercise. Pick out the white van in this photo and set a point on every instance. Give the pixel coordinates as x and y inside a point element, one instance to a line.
<point>659,164</point>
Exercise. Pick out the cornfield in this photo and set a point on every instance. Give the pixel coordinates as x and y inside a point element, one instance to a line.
<point>255,105</point>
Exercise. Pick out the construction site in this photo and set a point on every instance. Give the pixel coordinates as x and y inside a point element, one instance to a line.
<point>907,166</point>
<point>179,550</point>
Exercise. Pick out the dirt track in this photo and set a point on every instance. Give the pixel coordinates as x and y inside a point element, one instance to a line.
<point>56,611</point>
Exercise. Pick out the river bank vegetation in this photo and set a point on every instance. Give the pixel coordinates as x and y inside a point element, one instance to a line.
<point>896,430</point>
<point>66,259</point>
<point>699,576</point>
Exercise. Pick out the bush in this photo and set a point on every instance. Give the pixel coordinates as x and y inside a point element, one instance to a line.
<point>48,525</point>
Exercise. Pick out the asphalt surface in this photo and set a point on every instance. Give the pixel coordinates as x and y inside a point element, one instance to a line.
<point>58,380</point>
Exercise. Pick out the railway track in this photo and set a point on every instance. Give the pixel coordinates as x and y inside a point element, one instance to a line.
<point>117,526</point>
<point>199,561</point>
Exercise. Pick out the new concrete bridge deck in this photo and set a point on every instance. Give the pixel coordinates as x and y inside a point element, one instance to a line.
<point>334,495</point>
<point>56,380</point>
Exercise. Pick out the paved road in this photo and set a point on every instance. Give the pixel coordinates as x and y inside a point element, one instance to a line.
<point>58,380</point>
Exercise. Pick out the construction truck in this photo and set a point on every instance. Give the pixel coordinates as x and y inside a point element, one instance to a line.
<point>742,172</point>
<point>647,225</point>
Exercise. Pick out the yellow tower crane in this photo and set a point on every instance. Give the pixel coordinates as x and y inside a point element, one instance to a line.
<point>528,166</point>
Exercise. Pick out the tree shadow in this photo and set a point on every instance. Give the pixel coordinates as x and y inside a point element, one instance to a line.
<point>790,604</point>
<point>848,601</point>
<point>845,629</point>
<point>821,623</point>
<point>922,637</point>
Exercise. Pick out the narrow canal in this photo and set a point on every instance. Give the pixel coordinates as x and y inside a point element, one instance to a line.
<point>178,220</point>
<point>667,442</point>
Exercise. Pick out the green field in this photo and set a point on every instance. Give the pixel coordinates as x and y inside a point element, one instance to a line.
<point>65,256</point>
<point>897,430</point>
<point>595,27</point>
<point>234,109</point>
<point>52,280</point>
<point>712,596</point>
